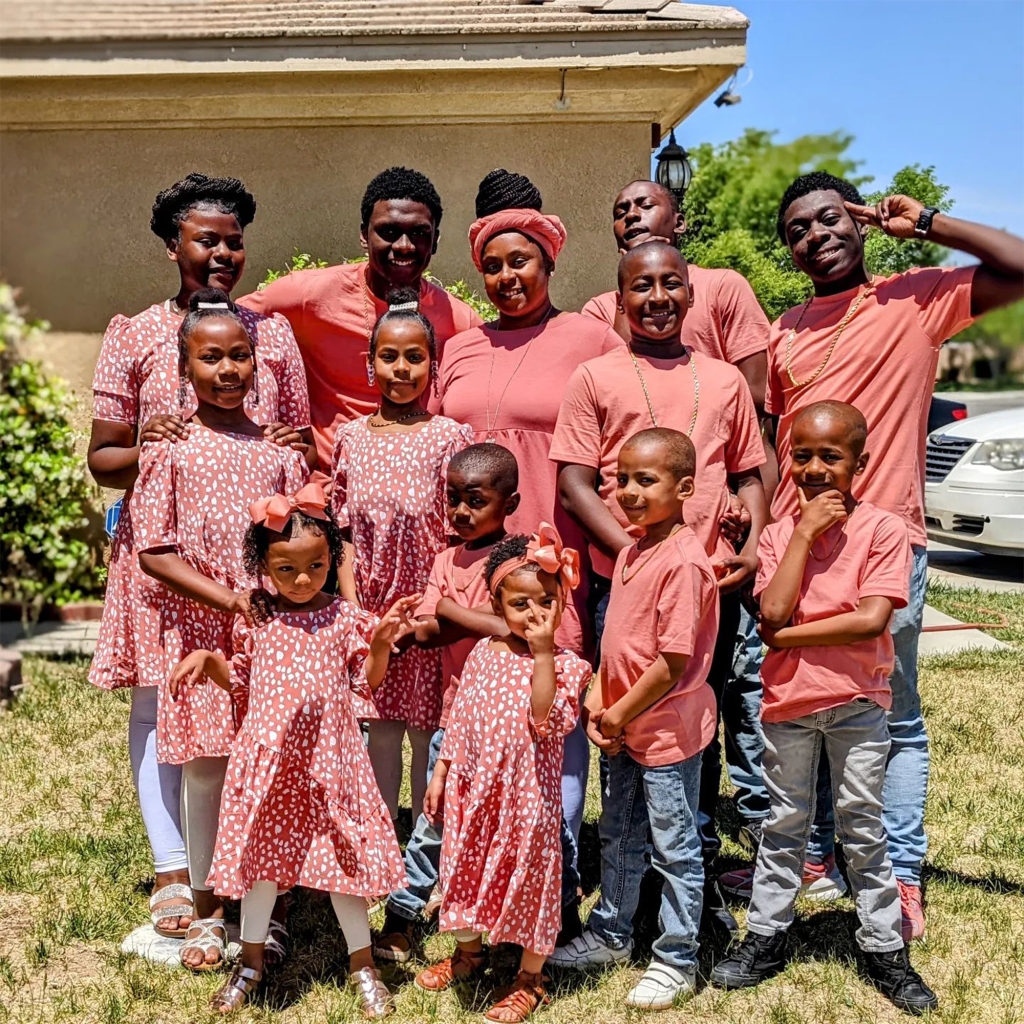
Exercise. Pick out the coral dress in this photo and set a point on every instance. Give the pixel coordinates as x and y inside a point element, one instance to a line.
<point>300,805</point>
<point>136,378</point>
<point>390,490</point>
<point>193,497</point>
<point>501,860</point>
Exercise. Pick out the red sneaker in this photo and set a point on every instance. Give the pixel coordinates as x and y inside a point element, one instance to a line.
<point>912,905</point>
<point>820,882</point>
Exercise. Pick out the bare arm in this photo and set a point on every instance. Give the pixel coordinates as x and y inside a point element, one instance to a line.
<point>869,620</point>
<point>742,567</point>
<point>579,498</point>
<point>347,576</point>
<point>542,690</point>
<point>480,621</point>
<point>169,568</point>
<point>656,681</point>
<point>194,666</point>
<point>114,450</point>
<point>755,372</point>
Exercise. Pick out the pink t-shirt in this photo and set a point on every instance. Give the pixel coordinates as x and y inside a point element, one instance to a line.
<point>867,556</point>
<point>884,364</point>
<point>725,321</point>
<point>458,573</point>
<point>604,405</point>
<point>332,312</point>
<point>667,604</point>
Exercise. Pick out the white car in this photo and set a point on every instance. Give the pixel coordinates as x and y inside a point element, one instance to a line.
<point>974,483</point>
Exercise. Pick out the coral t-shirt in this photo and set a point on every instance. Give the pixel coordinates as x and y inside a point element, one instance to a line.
<point>884,364</point>
<point>604,405</point>
<point>725,321</point>
<point>332,312</point>
<point>867,556</point>
<point>667,602</point>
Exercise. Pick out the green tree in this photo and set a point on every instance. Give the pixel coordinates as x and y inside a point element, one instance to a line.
<point>732,206</point>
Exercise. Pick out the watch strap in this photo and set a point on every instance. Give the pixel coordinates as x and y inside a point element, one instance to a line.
<point>924,222</point>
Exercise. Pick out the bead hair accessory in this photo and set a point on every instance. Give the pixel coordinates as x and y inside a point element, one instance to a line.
<point>544,550</point>
<point>404,307</point>
<point>275,511</point>
<point>212,305</point>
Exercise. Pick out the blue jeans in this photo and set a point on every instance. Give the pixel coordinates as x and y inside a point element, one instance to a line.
<point>906,773</point>
<point>663,800</point>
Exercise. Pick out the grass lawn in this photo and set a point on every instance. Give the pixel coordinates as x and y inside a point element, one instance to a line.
<point>74,879</point>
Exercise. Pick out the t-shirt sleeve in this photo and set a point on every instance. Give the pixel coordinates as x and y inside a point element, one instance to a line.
<point>744,325</point>
<point>887,570</point>
<point>357,647</point>
<point>774,394</point>
<point>677,609</point>
<point>115,382</point>
<point>577,436</point>
<point>744,449</point>
<point>612,342</point>
<point>284,296</point>
<point>768,560</point>
<point>572,674</point>
<point>943,296</point>
<point>435,588</point>
<point>154,518</point>
<point>292,389</point>
<point>597,310</point>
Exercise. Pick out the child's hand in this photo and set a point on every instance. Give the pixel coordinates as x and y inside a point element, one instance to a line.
<point>735,520</point>
<point>189,672</point>
<point>734,571</point>
<point>540,628</point>
<point>821,512</point>
<point>396,622</point>
<point>767,634</point>
<point>433,800</point>
<point>163,428</point>
<point>253,605</point>
<point>592,726</point>
<point>283,435</point>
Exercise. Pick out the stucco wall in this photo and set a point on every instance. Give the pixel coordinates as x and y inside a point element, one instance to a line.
<point>74,205</point>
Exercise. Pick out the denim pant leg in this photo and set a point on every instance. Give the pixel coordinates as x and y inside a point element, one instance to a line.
<point>422,855</point>
<point>623,832</point>
<point>741,718</point>
<point>672,792</point>
<point>597,601</point>
<point>906,776</point>
<point>570,872</point>
<point>575,770</point>
<point>711,766</point>
<point>791,752</point>
<point>857,740</point>
<point>822,841</point>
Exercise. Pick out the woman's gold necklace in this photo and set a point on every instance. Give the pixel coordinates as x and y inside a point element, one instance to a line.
<point>835,339</point>
<point>647,394</point>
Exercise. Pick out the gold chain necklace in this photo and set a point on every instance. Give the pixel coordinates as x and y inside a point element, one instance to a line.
<point>835,339</point>
<point>696,389</point>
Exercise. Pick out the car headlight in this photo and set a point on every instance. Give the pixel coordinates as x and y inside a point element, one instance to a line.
<point>1008,454</point>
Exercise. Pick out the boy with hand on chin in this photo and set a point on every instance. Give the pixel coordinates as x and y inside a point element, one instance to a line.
<point>653,714</point>
<point>829,580</point>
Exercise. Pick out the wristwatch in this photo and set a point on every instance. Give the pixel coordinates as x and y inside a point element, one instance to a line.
<point>924,222</point>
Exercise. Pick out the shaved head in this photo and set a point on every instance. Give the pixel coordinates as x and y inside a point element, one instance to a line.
<point>491,460</point>
<point>822,416</point>
<point>647,254</point>
<point>652,188</point>
<point>673,448</point>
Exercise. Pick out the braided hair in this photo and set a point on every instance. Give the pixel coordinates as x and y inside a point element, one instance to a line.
<point>401,183</point>
<point>817,181</point>
<point>513,546</point>
<point>506,190</point>
<point>404,304</point>
<point>205,304</point>
<point>174,204</point>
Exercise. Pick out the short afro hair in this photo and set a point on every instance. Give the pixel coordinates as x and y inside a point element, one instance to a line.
<point>174,204</point>
<point>493,460</point>
<point>676,449</point>
<point>401,183</point>
<point>506,190</point>
<point>513,546</point>
<point>817,181</point>
<point>259,537</point>
<point>848,416</point>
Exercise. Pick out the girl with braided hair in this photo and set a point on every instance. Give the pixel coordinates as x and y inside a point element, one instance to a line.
<point>140,397</point>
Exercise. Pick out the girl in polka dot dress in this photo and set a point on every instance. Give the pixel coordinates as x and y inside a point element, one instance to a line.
<point>389,472</point>
<point>300,805</point>
<point>190,514</point>
<point>498,777</point>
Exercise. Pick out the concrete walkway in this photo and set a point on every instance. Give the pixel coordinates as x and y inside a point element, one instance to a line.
<point>51,638</point>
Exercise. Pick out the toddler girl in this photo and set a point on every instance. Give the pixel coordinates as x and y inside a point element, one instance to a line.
<point>300,806</point>
<point>499,775</point>
<point>190,515</point>
<point>389,473</point>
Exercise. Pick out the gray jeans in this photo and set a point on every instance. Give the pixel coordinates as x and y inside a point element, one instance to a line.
<point>856,738</point>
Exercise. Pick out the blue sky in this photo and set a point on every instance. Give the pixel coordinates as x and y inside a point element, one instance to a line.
<point>937,82</point>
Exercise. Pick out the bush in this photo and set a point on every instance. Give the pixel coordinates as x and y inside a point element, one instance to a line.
<point>45,494</point>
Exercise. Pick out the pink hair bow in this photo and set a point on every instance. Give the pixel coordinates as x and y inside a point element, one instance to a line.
<point>546,550</point>
<point>275,511</point>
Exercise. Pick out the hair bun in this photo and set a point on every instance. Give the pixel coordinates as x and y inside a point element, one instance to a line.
<point>210,298</point>
<point>404,298</point>
<point>506,190</point>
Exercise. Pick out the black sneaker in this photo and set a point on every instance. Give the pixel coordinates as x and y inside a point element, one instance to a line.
<point>750,835</point>
<point>893,976</point>
<point>716,917</point>
<point>571,927</point>
<point>756,958</point>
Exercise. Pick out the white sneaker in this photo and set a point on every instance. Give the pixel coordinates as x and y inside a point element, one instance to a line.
<point>661,985</point>
<point>587,950</point>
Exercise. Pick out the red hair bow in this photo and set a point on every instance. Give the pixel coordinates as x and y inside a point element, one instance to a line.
<point>275,511</point>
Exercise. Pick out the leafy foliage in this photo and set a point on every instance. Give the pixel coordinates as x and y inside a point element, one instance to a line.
<point>45,495</point>
<point>297,261</point>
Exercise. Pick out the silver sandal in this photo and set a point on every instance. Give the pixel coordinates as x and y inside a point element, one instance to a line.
<point>174,891</point>
<point>374,997</point>
<point>205,941</point>
<point>275,949</point>
<point>235,992</point>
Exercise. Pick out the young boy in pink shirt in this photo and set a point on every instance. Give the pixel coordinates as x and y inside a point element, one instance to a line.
<point>652,713</point>
<point>829,579</point>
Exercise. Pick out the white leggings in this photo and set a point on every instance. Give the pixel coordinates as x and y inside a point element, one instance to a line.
<point>201,783</point>
<point>385,748</point>
<point>158,785</point>
<point>258,906</point>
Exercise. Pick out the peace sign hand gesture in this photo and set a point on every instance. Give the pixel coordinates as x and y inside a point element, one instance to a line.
<point>540,628</point>
<point>895,215</point>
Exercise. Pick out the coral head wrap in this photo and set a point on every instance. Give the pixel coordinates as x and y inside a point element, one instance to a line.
<point>544,229</point>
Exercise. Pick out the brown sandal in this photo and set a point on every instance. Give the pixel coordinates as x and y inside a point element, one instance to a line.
<point>235,992</point>
<point>460,966</point>
<point>526,995</point>
<point>374,996</point>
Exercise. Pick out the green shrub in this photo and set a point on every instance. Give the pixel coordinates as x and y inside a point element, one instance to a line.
<point>45,494</point>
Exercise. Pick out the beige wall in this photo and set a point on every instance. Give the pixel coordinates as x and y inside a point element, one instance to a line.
<point>74,204</point>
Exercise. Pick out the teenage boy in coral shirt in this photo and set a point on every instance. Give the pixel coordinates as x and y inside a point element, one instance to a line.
<point>874,342</point>
<point>332,310</point>
<point>829,579</point>
<point>652,713</point>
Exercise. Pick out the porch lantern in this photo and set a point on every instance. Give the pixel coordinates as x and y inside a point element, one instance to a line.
<point>674,170</point>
